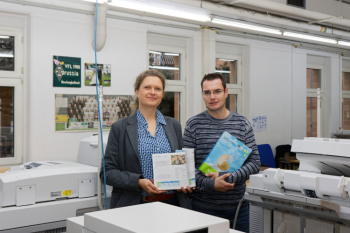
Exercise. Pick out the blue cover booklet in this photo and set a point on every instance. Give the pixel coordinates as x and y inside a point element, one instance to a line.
<point>228,155</point>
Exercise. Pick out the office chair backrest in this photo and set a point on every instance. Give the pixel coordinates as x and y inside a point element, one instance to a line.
<point>266,155</point>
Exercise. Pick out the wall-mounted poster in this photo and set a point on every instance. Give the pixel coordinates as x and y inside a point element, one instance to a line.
<point>259,123</point>
<point>103,74</point>
<point>80,112</point>
<point>66,71</point>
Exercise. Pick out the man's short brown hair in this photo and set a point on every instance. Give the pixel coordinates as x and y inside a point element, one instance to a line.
<point>213,76</point>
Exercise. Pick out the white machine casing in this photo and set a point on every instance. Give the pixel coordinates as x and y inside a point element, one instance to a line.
<point>321,187</point>
<point>154,217</point>
<point>43,194</point>
<point>47,181</point>
<point>88,150</point>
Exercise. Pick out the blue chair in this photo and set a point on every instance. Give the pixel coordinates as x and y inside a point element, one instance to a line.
<point>266,156</point>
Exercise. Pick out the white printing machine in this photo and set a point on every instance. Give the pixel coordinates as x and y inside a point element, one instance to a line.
<point>40,196</point>
<point>153,217</point>
<point>313,199</point>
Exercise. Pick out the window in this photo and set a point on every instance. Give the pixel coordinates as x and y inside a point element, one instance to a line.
<point>166,63</point>
<point>11,96</point>
<point>297,3</point>
<point>7,53</point>
<point>229,66</point>
<point>346,99</point>
<point>170,61</point>
<point>314,80</point>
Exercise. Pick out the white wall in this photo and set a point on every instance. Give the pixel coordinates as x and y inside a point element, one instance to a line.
<point>346,63</point>
<point>274,79</point>
<point>70,34</point>
<point>53,35</point>
<point>274,75</point>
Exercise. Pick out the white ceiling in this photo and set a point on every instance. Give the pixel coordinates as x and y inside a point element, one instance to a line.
<point>315,10</point>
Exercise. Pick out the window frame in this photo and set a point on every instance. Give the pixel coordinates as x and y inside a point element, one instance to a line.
<point>175,85</point>
<point>313,93</point>
<point>344,94</point>
<point>18,121</point>
<point>182,91</point>
<point>18,34</point>
<point>15,79</point>
<point>171,49</point>
<point>235,89</point>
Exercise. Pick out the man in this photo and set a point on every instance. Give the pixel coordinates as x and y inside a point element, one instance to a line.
<point>218,194</point>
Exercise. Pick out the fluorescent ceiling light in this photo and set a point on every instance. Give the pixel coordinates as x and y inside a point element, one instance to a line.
<point>223,71</point>
<point>246,26</point>
<point>172,54</point>
<point>221,59</point>
<point>169,54</point>
<point>163,68</point>
<point>155,52</point>
<point>157,9</point>
<point>99,1</point>
<point>307,37</point>
<point>6,55</point>
<point>346,43</point>
<point>4,37</point>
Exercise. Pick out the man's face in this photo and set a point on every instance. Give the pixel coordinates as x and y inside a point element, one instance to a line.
<point>215,101</point>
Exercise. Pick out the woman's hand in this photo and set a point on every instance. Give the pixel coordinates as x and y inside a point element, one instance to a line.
<point>149,187</point>
<point>188,190</point>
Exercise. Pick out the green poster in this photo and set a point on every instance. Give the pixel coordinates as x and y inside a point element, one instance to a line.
<point>66,71</point>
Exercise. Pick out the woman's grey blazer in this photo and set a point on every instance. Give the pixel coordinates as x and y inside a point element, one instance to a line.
<point>122,161</point>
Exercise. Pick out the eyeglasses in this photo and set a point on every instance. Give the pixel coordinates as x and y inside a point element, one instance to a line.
<point>215,92</point>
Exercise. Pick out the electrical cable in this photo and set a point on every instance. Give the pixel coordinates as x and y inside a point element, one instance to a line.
<point>99,114</point>
<point>237,212</point>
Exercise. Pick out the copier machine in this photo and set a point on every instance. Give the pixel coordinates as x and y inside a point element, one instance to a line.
<point>39,196</point>
<point>313,199</point>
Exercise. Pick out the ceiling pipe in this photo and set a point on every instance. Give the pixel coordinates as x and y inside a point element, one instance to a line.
<point>101,31</point>
<point>325,20</point>
<point>143,16</point>
<point>207,6</point>
<point>234,1</point>
<point>263,18</point>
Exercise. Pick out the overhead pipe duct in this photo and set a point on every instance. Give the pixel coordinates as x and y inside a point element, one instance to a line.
<point>147,17</point>
<point>101,31</point>
<point>258,16</point>
<point>205,6</point>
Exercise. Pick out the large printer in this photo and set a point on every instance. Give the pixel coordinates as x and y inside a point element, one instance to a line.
<point>41,195</point>
<point>153,217</point>
<point>313,199</point>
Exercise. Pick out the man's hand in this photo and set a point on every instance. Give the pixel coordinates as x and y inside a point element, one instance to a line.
<point>149,187</point>
<point>212,175</point>
<point>221,185</point>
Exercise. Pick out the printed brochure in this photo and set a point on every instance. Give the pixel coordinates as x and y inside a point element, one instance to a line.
<point>173,170</point>
<point>228,155</point>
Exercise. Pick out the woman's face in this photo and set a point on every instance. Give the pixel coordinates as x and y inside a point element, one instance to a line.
<point>150,92</point>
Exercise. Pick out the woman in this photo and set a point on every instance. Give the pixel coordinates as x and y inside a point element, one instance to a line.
<point>132,141</point>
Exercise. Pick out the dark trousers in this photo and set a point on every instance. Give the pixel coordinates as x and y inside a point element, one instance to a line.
<point>242,220</point>
<point>173,201</point>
